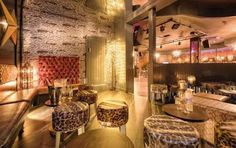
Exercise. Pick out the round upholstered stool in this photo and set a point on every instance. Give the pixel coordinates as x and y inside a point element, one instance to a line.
<point>113,113</point>
<point>165,131</point>
<point>88,96</point>
<point>226,134</point>
<point>68,117</point>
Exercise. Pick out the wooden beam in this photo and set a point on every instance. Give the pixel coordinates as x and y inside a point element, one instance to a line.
<point>142,12</point>
<point>152,46</point>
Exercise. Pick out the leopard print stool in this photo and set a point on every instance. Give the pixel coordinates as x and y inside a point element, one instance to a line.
<point>88,96</point>
<point>113,113</point>
<point>69,117</point>
<point>226,135</point>
<point>162,131</point>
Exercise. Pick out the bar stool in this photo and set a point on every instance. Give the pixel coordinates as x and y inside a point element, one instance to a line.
<point>113,113</point>
<point>165,131</point>
<point>68,117</point>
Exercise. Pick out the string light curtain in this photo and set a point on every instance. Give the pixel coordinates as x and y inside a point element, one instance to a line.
<point>114,5</point>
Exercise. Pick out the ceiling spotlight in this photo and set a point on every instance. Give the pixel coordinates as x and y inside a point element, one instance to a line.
<point>157,55</point>
<point>179,43</point>
<point>162,28</point>
<point>176,53</point>
<point>175,26</point>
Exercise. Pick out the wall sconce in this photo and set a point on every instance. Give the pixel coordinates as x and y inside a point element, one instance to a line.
<point>27,76</point>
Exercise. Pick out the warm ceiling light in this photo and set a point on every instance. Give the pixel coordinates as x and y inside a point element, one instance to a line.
<point>175,26</point>
<point>234,47</point>
<point>162,28</point>
<point>4,23</point>
<point>230,57</point>
<point>157,55</point>
<point>176,53</point>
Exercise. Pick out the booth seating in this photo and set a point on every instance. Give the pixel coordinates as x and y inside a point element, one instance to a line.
<point>113,113</point>
<point>69,117</point>
<point>162,131</point>
<point>226,134</point>
<point>14,106</point>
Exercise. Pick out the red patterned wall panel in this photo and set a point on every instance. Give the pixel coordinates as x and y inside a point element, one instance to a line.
<point>51,68</point>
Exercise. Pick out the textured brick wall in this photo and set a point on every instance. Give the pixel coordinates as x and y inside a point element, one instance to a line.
<point>60,27</point>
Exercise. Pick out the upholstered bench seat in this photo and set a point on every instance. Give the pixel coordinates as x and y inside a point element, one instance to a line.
<point>12,115</point>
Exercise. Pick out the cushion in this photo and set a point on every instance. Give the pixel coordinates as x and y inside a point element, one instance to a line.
<point>11,116</point>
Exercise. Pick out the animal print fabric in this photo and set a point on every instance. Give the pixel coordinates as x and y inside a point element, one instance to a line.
<point>226,135</point>
<point>162,131</point>
<point>70,116</point>
<point>88,96</point>
<point>216,116</point>
<point>112,113</point>
<point>85,87</point>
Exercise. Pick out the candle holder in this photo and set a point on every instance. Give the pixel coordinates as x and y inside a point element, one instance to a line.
<point>27,76</point>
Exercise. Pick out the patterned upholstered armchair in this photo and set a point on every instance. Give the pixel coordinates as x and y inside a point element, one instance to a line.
<point>225,134</point>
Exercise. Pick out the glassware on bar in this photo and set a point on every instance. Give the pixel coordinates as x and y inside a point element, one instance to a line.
<point>179,102</point>
<point>188,101</point>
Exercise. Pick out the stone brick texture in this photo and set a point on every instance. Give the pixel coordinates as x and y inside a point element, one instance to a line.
<point>60,28</point>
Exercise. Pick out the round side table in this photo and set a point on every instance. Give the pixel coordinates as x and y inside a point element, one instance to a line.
<point>198,115</point>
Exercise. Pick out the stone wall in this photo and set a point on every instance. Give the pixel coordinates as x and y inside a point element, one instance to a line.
<point>60,28</point>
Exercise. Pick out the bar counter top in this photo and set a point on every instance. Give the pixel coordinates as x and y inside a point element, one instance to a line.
<point>223,106</point>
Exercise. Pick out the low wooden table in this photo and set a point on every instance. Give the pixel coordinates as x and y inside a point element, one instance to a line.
<point>198,115</point>
<point>101,138</point>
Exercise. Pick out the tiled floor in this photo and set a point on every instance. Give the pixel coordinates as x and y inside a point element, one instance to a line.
<point>36,134</point>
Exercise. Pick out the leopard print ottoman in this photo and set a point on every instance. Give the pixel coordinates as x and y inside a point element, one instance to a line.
<point>112,113</point>
<point>226,135</point>
<point>88,96</point>
<point>162,131</point>
<point>70,116</point>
